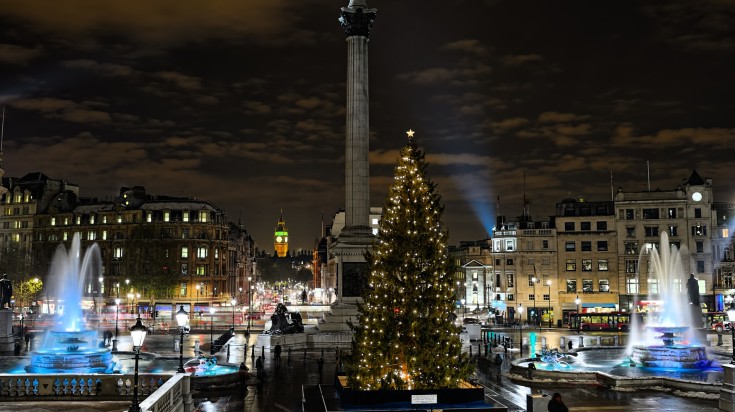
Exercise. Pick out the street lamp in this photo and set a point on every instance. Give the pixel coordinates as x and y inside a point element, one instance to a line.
<point>137,332</point>
<point>250,302</point>
<point>233,302</point>
<point>534,310</point>
<point>181,317</point>
<point>117,313</point>
<point>520,328</point>
<point>548,284</point>
<point>577,301</point>
<point>211,332</point>
<point>99,295</point>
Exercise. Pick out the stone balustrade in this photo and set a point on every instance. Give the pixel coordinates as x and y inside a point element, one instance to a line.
<point>73,387</point>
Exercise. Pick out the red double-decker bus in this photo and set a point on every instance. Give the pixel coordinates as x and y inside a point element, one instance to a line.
<point>611,321</point>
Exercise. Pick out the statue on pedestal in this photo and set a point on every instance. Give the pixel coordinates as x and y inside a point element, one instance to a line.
<point>693,290</point>
<point>6,291</point>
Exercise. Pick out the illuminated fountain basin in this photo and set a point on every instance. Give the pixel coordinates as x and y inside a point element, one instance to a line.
<point>671,354</point>
<point>69,348</point>
<point>71,352</point>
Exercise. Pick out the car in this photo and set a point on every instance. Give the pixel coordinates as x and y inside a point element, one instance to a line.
<point>471,321</point>
<point>721,326</point>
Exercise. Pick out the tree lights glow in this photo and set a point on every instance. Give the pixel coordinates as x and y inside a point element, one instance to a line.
<point>406,338</point>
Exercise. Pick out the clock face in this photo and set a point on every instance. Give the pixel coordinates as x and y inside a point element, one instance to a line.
<point>279,239</point>
<point>696,196</point>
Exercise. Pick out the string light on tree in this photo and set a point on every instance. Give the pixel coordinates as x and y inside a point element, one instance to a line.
<point>406,337</point>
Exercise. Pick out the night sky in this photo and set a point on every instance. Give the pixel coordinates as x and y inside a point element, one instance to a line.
<point>242,102</point>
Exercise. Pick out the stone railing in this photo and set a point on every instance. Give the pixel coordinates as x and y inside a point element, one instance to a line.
<point>174,396</point>
<point>72,387</point>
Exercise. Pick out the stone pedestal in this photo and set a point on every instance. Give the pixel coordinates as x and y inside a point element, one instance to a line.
<point>7,339</point>
<point>727,393</point>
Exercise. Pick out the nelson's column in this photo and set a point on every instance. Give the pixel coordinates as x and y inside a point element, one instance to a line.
<point>347,250</point>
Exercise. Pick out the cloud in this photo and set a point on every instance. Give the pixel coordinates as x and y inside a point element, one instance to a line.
<point>161,21</point>
<point>472,46</point>
<point>519,59</point>
<point>509,124</point>
<point>557,117</point>
<point>439,75</point>
<point>19,55</point>
<point>181,80</point>
<point>105,69</point>
<point>691,136</point>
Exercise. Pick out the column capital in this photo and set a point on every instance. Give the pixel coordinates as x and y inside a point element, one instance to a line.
<point>357,21</point>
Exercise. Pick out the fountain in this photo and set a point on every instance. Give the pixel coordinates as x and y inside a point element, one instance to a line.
<point>68,348</point>
<point>679,346</point>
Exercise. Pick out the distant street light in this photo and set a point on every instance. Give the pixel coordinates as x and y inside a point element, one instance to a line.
<point>520,328</point>
<point>579,319</point>
<point>117,313</point>
<point>548,284</point>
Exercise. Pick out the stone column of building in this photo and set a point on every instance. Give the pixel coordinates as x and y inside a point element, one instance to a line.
<point>357,20</point>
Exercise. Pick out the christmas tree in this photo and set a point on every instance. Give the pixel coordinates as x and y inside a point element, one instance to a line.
<point>406,337</point>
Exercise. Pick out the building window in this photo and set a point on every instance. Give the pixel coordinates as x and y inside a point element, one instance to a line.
<point>53,220</point>
<point>531,297</point>
<point>510,280</point>
<point>586,246</point>
<point>201,270</point>
<point>511,297</point>
<point>604,285</point>
<point>570,247</point>
<point>568,226</point>
<point>602,225</point>
<point>631,248</point>
<point>91,235</point>
<point>184,233</point>
<point>184,252</point>
<point>474,272</point>
<point>699,230</point>
<point>586,265</point>
<point>545,261</point>
<point>571,285</point>
<point>509,245</point>
<point>184,269</point>
<point>602,245</point>
<point>586,285</point>
<point>602,265</point>
<point>509,262</point>
<point>671,213</point>
<point>497,262</point>
<point>631,286</point>
<point>166,216</point>
<point>571,265</point>
<point>530,261</point>
<point>653,285</point>
<point>630,231</point>
<point>202,252</point>
<point>650,213</point>
<point>651,231</point>
<point>631,265</point>
<point>203,215</point>
<point>182,289</point>
<point>117,252</point>
<point>544,244</point>
<point>547,297</point>
<point>149,217</point>
<point>585,226</point>
<point>530,280</point>
<point>698,213</point>
<point>629,214</point>
<point>119,218</point>
<point>700,246</point>
<point>673,231</point>
<point>700,266</point>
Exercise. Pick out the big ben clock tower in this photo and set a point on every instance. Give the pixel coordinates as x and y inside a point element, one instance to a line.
<point>280,237</point>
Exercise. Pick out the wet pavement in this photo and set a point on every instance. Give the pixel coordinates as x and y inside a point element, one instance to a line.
<point>281,389</point>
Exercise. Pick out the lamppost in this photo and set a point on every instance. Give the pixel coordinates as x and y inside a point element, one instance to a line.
<point>137,303</point>
<point>464,308</point>
<point>211,331</point>
<point>233,302</point>
<point>250,302</point>
<point>534,311</point>
<point>99,295</point>
<point>181,317</point>
<point>199,288</point>
<point>548,284</point>
<point>117,314</point>
<point>577,301</point>
<point>520,328</point>
<point>137,332</point>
